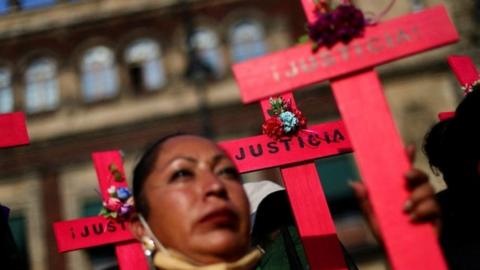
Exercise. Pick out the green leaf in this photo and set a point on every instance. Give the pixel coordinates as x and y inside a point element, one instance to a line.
<point>303,39</point>
<point>112,167</point>
<point>104,212</point>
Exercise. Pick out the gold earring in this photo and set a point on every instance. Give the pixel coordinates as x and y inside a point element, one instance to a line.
<point>148,245</point>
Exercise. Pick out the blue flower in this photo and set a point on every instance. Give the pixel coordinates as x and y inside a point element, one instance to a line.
<point>289,121</point>
<point>123,193</point>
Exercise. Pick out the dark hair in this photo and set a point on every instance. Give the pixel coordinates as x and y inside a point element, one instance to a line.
<point>143,169</point>
<point>453,146</point>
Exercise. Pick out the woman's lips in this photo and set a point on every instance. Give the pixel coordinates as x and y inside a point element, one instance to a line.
<point>223,216</point>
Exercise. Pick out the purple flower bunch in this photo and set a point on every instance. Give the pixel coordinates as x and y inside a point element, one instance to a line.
<point>340,25</point>
<point>119,205</point>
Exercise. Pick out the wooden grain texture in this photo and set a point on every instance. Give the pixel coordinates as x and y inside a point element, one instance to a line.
<point>297,67</point>
<point>13,130</point>
<point>382,162</point>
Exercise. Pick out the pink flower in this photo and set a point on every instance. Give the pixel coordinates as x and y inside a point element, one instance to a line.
<point>113,204</point>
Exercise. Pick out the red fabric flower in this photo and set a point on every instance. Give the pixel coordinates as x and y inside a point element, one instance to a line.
<point>302,120</point>
<point>273,128</point>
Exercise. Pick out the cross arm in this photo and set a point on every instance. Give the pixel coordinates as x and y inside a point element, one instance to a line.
<point>464,69</point>
<point>297,67</point>
<point>261,152</point>
<point>466,73</point>
<point>13,130</point>
<point>89,232</point>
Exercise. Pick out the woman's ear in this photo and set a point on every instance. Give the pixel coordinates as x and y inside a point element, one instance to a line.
<point>136,227</point>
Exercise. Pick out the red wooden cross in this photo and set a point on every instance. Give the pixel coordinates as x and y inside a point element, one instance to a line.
<point>466,73</point>
<point>96,231</point>
<point>295,156</point>
<point>13,130</point>
<point>378,148</point>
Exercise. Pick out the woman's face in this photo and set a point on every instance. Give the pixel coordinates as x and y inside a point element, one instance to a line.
<point>197,203</point>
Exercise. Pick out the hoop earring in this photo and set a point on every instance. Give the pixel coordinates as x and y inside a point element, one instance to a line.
<point>148,245</point>
<point>149,241</point>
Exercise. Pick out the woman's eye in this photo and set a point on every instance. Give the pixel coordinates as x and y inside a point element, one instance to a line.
<point>181,174</point>
<point>230,172</point>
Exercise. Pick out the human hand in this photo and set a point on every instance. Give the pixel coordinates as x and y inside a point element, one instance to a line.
<point>421,205</point>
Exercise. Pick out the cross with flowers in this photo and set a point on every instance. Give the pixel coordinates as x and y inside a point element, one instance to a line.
<point>13,130</point>
<point>291,147</point>
<point>111,227</point>
<point>359,95</point>
<point>467,75</point>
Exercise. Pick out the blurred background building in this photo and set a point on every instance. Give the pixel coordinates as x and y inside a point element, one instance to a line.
<point>95,75</point>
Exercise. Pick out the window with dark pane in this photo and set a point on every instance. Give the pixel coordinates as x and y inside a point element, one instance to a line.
<point>145,66</point>
<point>207,45</point>
<point>18,226</point>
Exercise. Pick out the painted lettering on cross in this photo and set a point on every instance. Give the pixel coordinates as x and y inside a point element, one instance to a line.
<point>356,50</point>
<point>261,152</point>
<point>298,67</point>
<point>86,232</point>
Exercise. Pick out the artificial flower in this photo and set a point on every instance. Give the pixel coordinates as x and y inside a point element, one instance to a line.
<point>123,193</point>
<point>284,120</point>
<point>113,204</point>
<point>289,121</point>
<point>273,128</point>
<point>343,24</point>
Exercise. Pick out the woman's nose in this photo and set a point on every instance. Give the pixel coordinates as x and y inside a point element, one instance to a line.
<point>212,185</point>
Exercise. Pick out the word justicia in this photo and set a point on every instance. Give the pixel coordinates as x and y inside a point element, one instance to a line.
<point>97,229</point>
<point>288,144</point>
<point>372,46</point>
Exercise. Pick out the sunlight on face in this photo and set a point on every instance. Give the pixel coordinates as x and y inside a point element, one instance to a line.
<point>197,203</point>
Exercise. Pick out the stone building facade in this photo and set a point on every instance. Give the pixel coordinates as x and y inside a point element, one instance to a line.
<point>95,75</point>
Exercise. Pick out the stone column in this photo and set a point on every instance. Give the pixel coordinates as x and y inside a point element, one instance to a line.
<point>52,210</point>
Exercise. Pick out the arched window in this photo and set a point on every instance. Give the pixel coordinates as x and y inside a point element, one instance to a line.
<point>41,87</point>
<point>206,43</point>
<point>6,93</point>
<point>247,39</point>
<point>144,60</point>
<point>99,74</point>
<point>417,5</point>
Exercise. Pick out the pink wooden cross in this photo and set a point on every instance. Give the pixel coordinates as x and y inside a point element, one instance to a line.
<point>466,73</point>
<point>13,130</point>
<point>96,231</point>
<point>378,147</point>
<point>295,157</point>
